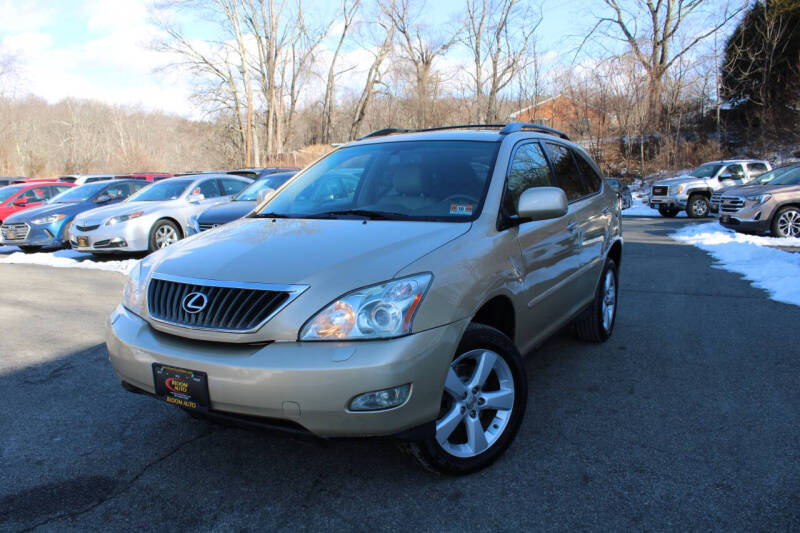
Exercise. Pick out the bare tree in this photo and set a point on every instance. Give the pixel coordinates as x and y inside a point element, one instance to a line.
<point>421,46</point>
<point>500,33</point>
<point>657,46</point>
<point>348,13</point>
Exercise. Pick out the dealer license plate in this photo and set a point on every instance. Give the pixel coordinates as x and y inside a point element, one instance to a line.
<point>181,387</point>
<point>83,242</point>
<point>725,219</point>
<point>11,235</point>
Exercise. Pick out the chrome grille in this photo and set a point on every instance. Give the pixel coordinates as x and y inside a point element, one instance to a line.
<point>18,231</point>
<point>87,228</point>
<point>730,204</point>
<point>228,307</point>
<point>660,190</point>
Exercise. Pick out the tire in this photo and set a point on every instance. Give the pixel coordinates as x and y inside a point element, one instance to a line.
<point>667,212</point>
<point>786,222</point>
<point>697,206</point>
<point>30,249</point>
<point>595,324</point>
<point>463,451</point>
<point>162,234</point>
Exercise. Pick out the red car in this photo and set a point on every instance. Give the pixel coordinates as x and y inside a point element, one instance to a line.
<point>17,197</point>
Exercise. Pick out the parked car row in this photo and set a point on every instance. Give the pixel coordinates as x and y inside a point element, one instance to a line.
<point>104,213</point>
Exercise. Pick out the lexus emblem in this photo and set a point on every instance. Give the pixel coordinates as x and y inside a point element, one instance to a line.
<point>194,302</point>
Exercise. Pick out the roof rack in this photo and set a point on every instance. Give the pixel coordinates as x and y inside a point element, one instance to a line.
<point>505,129</point>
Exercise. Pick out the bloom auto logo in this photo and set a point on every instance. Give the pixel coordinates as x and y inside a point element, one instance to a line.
<point>194,302</point>
<point>177,385</point>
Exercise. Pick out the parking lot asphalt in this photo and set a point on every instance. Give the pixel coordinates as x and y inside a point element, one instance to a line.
<point>688,418</point>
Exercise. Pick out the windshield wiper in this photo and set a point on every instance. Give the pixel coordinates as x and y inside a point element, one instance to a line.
<point>270,215</point>
<point>373,215</point>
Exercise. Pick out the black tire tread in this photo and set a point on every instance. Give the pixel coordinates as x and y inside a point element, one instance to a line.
<point>588,326</point>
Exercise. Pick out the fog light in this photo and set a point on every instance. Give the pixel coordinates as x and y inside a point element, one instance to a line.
<point>381,399</point>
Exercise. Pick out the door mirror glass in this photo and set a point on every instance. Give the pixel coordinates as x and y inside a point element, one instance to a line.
<point>542,203</point>
<point>196,197</point>
<point>103,198</point>
<point>263,194</point>
<point>21,202</point>
<point>725,176</point>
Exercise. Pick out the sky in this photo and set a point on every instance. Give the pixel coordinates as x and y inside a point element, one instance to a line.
<point>101,49</point>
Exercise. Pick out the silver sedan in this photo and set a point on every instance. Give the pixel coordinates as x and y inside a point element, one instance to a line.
<point>153,218</point>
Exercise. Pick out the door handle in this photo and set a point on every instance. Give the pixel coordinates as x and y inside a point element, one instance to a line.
<point>572,225</point>
<point>605,210</point>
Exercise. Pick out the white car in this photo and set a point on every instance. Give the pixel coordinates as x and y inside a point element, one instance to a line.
<point>153,218</point>
<point>83,179</point>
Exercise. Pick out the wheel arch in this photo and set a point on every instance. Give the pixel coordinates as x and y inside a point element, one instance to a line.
<point>788,203</point>
<point>174,221</point>
<point>615,253</point>
<point>498,312</point>
<point>704,191</point>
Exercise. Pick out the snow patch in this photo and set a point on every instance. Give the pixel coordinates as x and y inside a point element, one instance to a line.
<point>66,259</point>
<point>776,271</point>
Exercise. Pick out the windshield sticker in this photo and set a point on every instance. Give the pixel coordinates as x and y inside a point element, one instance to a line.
<point>461,209</point>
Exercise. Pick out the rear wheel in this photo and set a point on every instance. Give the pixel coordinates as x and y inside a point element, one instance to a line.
<point>667,212</point>
<point>786,222</point>
<point>164,233</point>
<point>597,323</point>
<point>697,207</point>
<point>483,403</point>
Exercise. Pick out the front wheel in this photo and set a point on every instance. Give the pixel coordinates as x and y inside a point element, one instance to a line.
<point>786,222</point>
<point>483,403</point>
<point>697,207</point>
<point>164,233</point>
<point>667,212</point>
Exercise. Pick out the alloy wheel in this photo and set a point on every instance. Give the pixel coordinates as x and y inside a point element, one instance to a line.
<point>700,207</point>
<point>789,223</point>
<point>609,305</point>
<point>477,403</point>
<point>166,235</point>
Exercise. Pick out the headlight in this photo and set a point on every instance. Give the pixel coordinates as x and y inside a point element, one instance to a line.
<point>123,218</point>
<point>133,295</point>
<point>680,189</point>
<point>49,219</point>
<point>377,312</point>
<point>760,198</point>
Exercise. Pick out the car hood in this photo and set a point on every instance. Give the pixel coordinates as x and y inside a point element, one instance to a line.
<point>221,214</point>
<point>101,214</point>
<point>677,180</point>
<point>48,209</point>
<point>337,255</point>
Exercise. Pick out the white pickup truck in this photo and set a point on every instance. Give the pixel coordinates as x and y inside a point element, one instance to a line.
<point>692,192</point>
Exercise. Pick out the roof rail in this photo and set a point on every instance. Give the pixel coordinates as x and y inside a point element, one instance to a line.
<point>505,129</point>
<point>513,127</point>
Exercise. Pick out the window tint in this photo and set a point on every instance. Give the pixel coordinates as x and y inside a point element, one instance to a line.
<point>756,169</point>
<point>528,169</point>
<point>230,186</point>
<point>61,188</point>
<point>138,185</point>
<point>734,170</point>
<point>207,188</point>
<point>35,195</point>
<point>591,178</point>
<point>568,177</point>
<point>118,191</point>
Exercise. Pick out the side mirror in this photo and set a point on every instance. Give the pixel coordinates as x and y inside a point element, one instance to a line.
<point>103,198</point>
<point>263,194</point>
<point>196,197</point>
<point>20,202</point>
<point>725,176</point>
<point>542,203</point>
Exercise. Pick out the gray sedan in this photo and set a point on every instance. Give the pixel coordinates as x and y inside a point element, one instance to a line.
<point>153,218</point>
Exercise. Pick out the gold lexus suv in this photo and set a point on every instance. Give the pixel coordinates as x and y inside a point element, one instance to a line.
<point>389,289</point>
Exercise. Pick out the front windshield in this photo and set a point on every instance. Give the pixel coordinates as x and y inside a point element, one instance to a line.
<point>790,177</point>
<point>163,190</point>
<point>76,195</point>
<point>8,192</point>
<point>709,170</point>
<point>250,194</point>
<point>408,180</point>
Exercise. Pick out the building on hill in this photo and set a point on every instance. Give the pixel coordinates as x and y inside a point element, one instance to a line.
<point>561,112</point>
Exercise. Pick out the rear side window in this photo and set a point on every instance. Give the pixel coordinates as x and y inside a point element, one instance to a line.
<point>756,169</point>
<point>528,169</point>
<point>568,176</point>
<point>590,176</point>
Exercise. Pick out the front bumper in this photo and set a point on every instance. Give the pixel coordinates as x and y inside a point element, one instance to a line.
<point>47,236</point>
<point>309,384</point>
<point>131,236</point>
<point>673,202</point>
